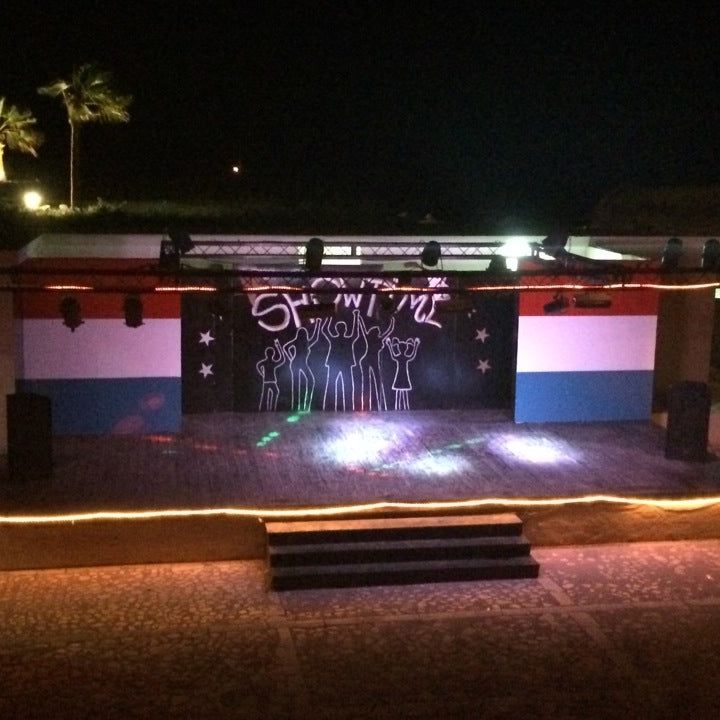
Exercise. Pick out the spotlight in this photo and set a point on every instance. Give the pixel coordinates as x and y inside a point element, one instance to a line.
<point>133,309</point>
<point>430,253</point>
<point>554,245</point>
<point>314,251</point>
<point>711,255</point>
<point>172,250</point>
<point>557,304</point>
<point>181,242</point>
<point>70,311</point>
<point>498,264</point>
<point>672,253</point>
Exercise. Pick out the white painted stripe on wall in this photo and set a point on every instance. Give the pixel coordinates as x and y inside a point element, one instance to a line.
<point>586,343</point>
<point>100,349</point>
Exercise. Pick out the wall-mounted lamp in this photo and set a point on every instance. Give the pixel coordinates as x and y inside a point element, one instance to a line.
<point>556,305</point>
<point>133,309</point>
<point>71,314</point>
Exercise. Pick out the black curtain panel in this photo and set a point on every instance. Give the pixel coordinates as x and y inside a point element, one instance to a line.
<point>354,352</point>
<point>207,353</point>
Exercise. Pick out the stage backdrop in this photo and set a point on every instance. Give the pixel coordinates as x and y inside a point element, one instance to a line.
<point>262,352</point>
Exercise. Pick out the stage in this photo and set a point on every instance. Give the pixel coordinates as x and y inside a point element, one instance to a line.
<point>281,460</point>
<point>320,458</point>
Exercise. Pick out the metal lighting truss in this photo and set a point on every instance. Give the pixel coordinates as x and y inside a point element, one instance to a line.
<point>252,265</point>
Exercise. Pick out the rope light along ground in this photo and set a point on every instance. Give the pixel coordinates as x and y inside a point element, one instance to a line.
<point>671,504</point>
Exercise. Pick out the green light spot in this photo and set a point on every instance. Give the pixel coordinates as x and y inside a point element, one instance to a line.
<point>273,434</point>
<point>293,419</point>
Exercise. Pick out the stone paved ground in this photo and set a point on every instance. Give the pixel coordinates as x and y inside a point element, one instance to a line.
<point>607,631</point>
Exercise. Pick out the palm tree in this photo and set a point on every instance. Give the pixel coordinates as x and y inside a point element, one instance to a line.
<point>88,97</point>
<point>17,133</point>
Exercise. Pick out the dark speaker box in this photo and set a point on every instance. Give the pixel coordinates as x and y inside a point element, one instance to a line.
<point>29,434</point>
<point>688,421</point>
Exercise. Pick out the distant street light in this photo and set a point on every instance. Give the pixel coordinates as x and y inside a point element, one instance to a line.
<point>32,200</point>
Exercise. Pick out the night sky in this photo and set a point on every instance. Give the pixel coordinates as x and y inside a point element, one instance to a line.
<point>504,107</point>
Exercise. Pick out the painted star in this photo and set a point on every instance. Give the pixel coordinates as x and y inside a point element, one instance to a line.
<point>482,335</point>
<point>483,366</point>
<point>206,338</point>
<point>206,370</point>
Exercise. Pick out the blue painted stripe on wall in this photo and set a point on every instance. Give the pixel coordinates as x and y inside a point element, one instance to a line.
<point>583,396</point>
<point>116,406</point>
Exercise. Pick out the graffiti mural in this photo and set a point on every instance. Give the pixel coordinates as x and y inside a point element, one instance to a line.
<point>373,351</point>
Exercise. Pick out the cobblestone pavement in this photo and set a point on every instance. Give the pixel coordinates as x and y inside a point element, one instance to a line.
<point>607,631</point>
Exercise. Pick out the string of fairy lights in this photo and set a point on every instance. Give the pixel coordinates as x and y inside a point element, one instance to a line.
<point>274,513</point>
<point>389,290</point>
<point>185,280</point>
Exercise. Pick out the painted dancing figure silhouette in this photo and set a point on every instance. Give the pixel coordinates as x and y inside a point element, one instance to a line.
<point>370,369</point>
<point>297,352</point>
<point>403,352</point>
<point>268,367</point>
<point>359,352</point>
<point>339,362</point>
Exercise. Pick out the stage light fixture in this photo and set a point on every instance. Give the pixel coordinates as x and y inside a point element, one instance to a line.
<point>169,259</point>
<point>70,311</point>
<point>557,304</point>
<point>172,249</point>
<point>314,251</point>
<point>133,309</point>
<point>711,255</point>
<point>181,242</point>
<point>498,264</point>
<point>554,244</point>
<point>671,254</point>
<point>430,253</point>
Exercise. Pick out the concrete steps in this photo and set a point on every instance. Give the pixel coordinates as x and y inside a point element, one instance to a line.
<point>390,551</point>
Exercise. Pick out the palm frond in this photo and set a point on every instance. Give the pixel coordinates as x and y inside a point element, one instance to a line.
<point>17,129</point>
<point>54,89</point>
<point>89,96</point>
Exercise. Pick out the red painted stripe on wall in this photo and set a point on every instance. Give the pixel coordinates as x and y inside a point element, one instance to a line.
<point>624,302</point>
<point>94,305</point>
